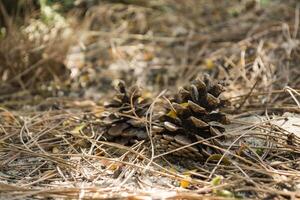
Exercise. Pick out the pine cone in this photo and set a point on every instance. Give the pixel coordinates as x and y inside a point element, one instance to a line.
<point>193,116</point>
<point>123,120</point>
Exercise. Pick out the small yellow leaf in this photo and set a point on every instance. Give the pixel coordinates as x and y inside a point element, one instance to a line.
<point>66,123</point>
<point>185,183</point>
<point>113,167</point>
<point>147,94</point>
<point>216,181</point>
<point>78,129</point>
<point>172,114</point>
<point>84,78</point>
<point>140,99</point>
<point>209,64</point>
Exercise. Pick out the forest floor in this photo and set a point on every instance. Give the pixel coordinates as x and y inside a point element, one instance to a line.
<point>57,71</point>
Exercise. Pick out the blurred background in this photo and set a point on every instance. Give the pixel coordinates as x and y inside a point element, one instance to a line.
<point>77,49</point>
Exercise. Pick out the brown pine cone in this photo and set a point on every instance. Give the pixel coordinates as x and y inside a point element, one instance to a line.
<point>193,116</point>
<point>124,119</point>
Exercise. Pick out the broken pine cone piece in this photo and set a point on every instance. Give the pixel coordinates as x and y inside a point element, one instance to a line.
<point>123,120</point>
<point>193,124</point>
